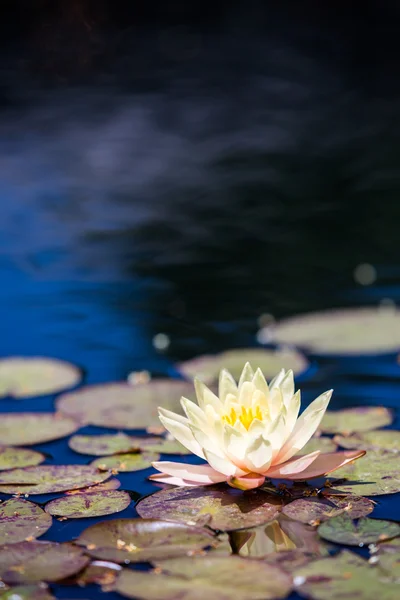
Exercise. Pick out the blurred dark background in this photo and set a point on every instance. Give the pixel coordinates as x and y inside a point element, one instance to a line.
<point>184,168</point>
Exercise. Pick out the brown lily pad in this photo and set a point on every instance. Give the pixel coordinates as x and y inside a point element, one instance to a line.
<point>39,591</point>
<point>344,576</point>
<point>208,367</point>
<point>27,562</point>
<point>316,510</point>
<point>359,418</point>
<point>343,530</point>
<point>46,479</point>
<point>216,577</point>
<point>218,507</point>
<point>126,463</point>
<point>376,473</point>
<point>111,484</point>
<point>342,332</point>
<point>124,406</point>
<point>161,446</point>
<point>371,440</point>
<point>138,540</point>
<point>21,520</point>
<point>23,377</point>
<point>102,572</point>
<point>12,458</point>
<point>26,429</point>
<point>93,504</point>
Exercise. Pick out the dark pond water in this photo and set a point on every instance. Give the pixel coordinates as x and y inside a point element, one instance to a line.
<point>190,184</point>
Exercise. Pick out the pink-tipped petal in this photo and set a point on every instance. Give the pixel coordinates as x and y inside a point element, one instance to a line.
<point>290,468</point>
<point>247,482</point>
<point>200,474</point>
<point>324,464</point>
<point>160,478</point>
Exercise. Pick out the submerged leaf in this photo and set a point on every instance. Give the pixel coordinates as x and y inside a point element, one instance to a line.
<point>371,440</point>
<point>208,367</point>
<point>125,463</point>
<point>22,377</point>
<point>344,576</point>
<point>46,479</point>
<point>27,592</point>
<point>27,429</point>
<point>138,540</point>
<point>374,474</point>
<point>315,510</point>
<point>93,504</point>
<point>27,562</point>
<point>218,507</point>
<point>20,519</point>
<point>342,530</point>
<point>344,331</point>
<point>359,418</point>
<point>12,458</point>
<point>216,577</point>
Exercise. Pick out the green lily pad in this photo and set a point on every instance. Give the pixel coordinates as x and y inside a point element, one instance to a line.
<point>323,444</point>
<point>138,540</point>
<point>102,445</point>
<point>111,484</point>
<point>208,367</point>
<point>342,332</point>
<point>20,520</point>
<point>342,530</point>
<point>359,418</point>
<point>376,473</point>
<point>216,577</point>
<point>218,507</point>
<point>390,563</point>
<point>126,463</point>
<point>26,429</point>
<point>288,560</point>
<point>124,406</point>
<point>25,377</point>
<point>94,504</point>
<point>344,576</point>
<point>27,592</point>
<point>101,572</point>
<point>27,562</point>
<point>48,479</point>
<point>371,440</point>
<point>12,458</point>
<point>316,510</point>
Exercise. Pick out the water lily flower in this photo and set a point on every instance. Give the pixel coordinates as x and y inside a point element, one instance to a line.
<point>250,431</point>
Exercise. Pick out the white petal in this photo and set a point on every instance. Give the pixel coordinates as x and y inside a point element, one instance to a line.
<point>276,381</point>
<point>247,375</point>
<point>171,415</point>
<point>275,402</point>
<point>222,465</point>
<point>276,434</point>
<point>260,383</point>
<point>235,444</point>
<point>258,455</point>
<point>227,385</point>
<point>287,386</point>
<point>292,412</point>
<point>246,392</point>
<point>191,473</point>
<point>194,413</point>
<point>258,427</point>
<point>182,433</point>
<point>205,396</point>
<point>207,441</point>
<point>305,427</point>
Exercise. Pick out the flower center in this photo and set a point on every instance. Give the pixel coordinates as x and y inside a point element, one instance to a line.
<point>246,416</point>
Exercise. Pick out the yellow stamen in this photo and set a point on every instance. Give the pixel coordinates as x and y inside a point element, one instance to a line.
<point>246,417</point>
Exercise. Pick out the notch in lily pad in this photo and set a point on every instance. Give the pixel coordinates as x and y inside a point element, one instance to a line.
<point>343,530</point>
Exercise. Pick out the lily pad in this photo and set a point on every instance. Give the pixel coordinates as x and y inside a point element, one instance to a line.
<point>216,577</point>
<point>162,446</point>
<point>12,458</point>
<point>138,540</point>
<point>126,463</point>
<point>21,520</point>
<point>25,377</point>
<point>27,562</point>
<point>26,429</point>
<point>124,406</point>
<point>94,504</point>
<point>323,444</point>
<point>371,440</point>
<point>341,332</point>
<point>27,592</point>
<point>102,445</point>
<point>208,367</point>
<point>359,418</point>
<point>342,530</point>
<point>344,576</point>
<point>316,510</point>
<point>374,474</point>
<point>390,563</point>
<point>110,484</point>
<point>218,507</point>
<point>102,572</point>
<point>48,479</point>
